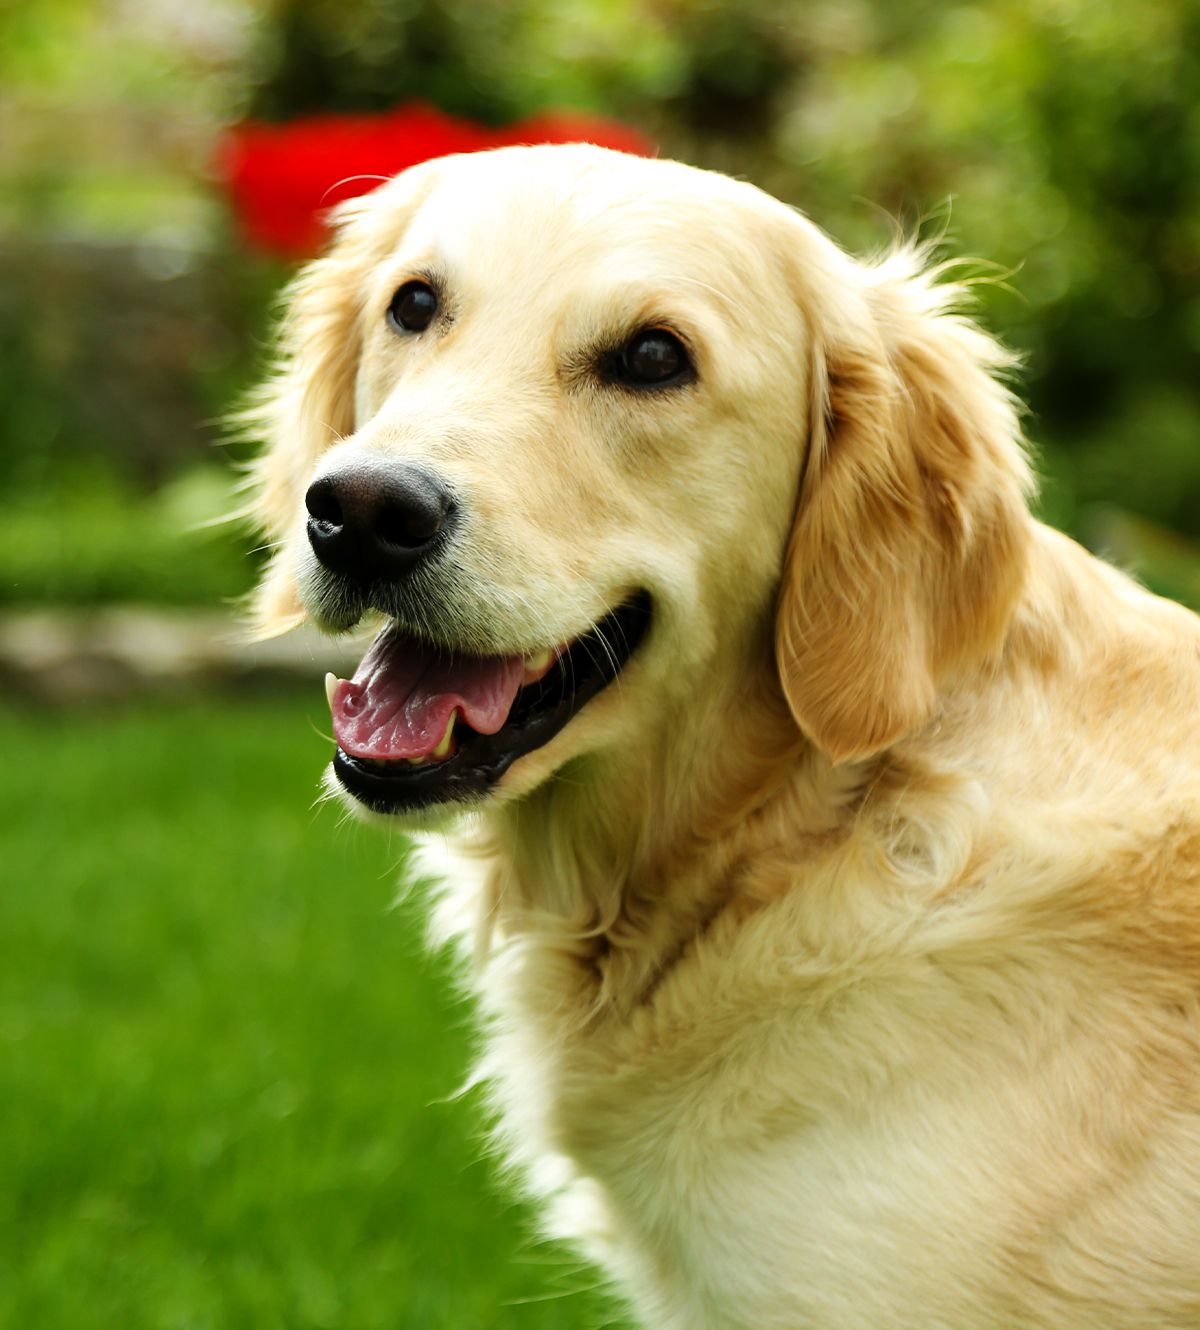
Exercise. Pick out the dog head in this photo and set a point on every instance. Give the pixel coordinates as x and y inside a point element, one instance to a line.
<point>603,439</point>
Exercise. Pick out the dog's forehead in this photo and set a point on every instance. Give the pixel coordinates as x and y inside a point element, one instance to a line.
<point>579,208</point>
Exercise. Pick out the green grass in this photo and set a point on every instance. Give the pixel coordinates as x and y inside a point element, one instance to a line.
<point>226,1066</point>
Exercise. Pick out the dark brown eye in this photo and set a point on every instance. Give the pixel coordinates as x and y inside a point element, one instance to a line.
<point>413,307</point>
<point>651,358</point>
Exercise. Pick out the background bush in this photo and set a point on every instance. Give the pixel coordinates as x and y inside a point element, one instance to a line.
<point>1057,140</point>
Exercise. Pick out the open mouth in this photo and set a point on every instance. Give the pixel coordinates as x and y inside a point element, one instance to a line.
<point>418,725</point>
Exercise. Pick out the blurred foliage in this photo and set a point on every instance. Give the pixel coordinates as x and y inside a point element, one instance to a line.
<point>1057,141</point>
<point>89,537</point>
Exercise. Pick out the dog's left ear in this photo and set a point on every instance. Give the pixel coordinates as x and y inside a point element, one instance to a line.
<point>308,401</point>
<point>910,539</point>
<point>305,405</point>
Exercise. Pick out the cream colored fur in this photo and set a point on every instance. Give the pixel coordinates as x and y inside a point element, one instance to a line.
<point>841,961</point>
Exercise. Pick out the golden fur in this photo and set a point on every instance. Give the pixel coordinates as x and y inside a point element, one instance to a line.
<point>841,960</point>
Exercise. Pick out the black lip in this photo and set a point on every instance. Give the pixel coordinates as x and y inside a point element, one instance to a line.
<point>592,662</point>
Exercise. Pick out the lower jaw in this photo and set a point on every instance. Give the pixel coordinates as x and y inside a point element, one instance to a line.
<point>417,788</point>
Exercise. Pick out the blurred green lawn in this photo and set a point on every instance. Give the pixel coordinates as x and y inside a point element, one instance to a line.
<point>227,1068</point>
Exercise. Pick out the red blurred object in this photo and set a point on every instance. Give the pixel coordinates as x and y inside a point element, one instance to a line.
<point>283,178</point>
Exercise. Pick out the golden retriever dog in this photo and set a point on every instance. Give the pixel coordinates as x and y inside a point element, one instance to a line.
<point>823,830</point>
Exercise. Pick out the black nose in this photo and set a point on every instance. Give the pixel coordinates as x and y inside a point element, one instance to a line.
<point>375,522</point>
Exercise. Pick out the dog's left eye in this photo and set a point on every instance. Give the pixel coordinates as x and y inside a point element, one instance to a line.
<point>413,307</point>
<point>651,358</point>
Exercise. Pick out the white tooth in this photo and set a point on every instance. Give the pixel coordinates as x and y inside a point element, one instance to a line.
<point>331,682</point>
<point>444,743</point>
<point>539,662</point>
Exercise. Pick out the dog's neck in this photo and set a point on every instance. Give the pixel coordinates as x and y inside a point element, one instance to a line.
<point>625,875</point>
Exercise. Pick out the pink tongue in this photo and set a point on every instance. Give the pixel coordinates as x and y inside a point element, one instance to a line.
<point>400,699</point>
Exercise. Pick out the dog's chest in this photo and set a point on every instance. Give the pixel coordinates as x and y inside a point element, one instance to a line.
<point>733,1169</point>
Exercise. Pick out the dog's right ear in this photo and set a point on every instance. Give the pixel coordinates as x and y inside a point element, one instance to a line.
<point>306,403</point>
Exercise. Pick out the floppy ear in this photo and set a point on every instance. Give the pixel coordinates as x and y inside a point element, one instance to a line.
<point>909,544</point>
<point>307,402</point>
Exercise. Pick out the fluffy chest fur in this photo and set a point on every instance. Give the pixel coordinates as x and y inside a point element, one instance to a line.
<point>908,1084</point>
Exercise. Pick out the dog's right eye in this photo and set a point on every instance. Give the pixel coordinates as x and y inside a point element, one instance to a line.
<point>413,307</point>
